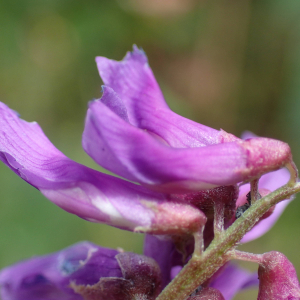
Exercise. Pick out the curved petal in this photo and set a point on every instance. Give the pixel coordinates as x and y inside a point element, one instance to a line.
<point>233,279</point>
<point>132,79</point>
<point>85,192</point>
<point>139,156</point>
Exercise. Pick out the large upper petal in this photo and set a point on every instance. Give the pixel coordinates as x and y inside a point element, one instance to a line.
<point>85,192</point>
<point>141,156</point>
<point>132,79</point>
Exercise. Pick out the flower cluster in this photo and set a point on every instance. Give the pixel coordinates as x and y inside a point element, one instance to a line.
<point>192,186</point>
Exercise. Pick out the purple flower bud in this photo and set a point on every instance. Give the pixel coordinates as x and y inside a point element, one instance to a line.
<point>207,294</point>
<point>277,278</point>
<point>82,267</point>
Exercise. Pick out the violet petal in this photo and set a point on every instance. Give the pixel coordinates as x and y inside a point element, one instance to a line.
<point>132,79</point>
<point>139,156</point>
<point>270,181</point>
<point>85,192</point>
<point>232,279</point>
<point>163,250</point>
<point>142,156</point>
<point>48,277</point>
<point>82,268</point>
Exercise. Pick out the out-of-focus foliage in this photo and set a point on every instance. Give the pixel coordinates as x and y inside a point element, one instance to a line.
<point>229,64</point>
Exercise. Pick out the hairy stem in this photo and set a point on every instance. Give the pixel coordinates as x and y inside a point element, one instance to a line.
<point>219,209</point>
<point>254,190</point>
<point>199,269</point>
<point>199,243</point>
<point>293,171</point>
<point>246,256</point>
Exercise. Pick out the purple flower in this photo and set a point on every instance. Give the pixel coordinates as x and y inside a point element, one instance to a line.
<point>132,132</point>
<point>87,193</point>
<point>73,272</point>
<point>187,166</point>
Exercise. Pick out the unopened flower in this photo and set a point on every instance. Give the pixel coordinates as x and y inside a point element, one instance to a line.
<point>268,182</point>
<point>83,271</point>
<point>277,278</point>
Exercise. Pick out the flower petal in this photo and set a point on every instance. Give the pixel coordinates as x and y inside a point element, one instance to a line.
<point>232,279</point>
<point>132,79</point>
<point>85,192</point>
<point>270,181</point>
<point>81,268</point>
<point>163,250</point>
<point>140,156</point>
<point>141,279</point>
<point>48,277</point>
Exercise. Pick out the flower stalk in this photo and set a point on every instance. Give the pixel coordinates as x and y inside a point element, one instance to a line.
<point>199,269</point>
<point>219,209</point>
<point>254,190</point>
<point>246,256</point>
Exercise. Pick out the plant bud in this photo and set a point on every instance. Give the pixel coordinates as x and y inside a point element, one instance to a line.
<point>277,278</point>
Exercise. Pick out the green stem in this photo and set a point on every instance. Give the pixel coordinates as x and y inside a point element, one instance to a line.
<point>254,190</point>
<point>199,269</point>
<point>293,171</point>
<point>199,244</point>
<point>219,209</point>
<point>246,256</point>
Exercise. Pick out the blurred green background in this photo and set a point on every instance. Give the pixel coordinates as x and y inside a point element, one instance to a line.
<point>233,65</point>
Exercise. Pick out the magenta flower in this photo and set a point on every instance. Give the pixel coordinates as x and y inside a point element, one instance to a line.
<point>140,139</point>
<point>132,132</point>
<point>91,195</point>
<point>73,272</point>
